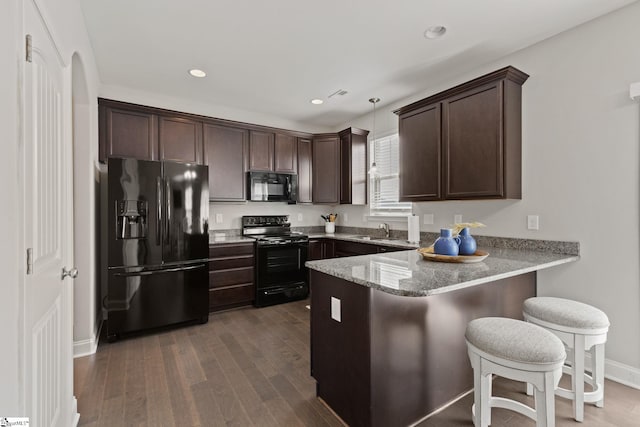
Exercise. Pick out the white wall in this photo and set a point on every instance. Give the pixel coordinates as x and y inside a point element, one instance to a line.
<point>10,259</point>
<point>580,168</point>
<point>232,213</point>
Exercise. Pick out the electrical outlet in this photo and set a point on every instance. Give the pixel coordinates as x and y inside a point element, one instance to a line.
<point>457,219</point>
<point>533,222</point>
<point>299,217</point>
<point>336,311</point>
<point>427,219</point>
<point>219,218</point>
<point>346,218</point>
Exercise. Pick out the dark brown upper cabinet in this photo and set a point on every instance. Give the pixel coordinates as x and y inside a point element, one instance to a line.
<point>285,153</point>
<point>269,152</point>
<point>353,166</point>
<point>125,133</point>
<point>226,152</point>
<point>129,130</point>
<point>180,139</point>
<point>420,153</point>
<point>474,134</point>
<point>326,169</point>
<point>261,148</point>
<point>305,171</point>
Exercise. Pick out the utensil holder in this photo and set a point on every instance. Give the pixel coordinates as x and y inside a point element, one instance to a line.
<point>329,227</point>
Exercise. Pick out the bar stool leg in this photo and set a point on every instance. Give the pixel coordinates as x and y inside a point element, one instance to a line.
<point>529,389</point>
<point>597,371</point>
<point>486,399</point>
<point>478,405</point>
<point>577,377</point>
<point>545,403</point>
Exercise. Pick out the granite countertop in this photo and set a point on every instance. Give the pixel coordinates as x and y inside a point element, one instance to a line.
<point>219,238</point>
<point>360,239</point>
<point>406,273</point>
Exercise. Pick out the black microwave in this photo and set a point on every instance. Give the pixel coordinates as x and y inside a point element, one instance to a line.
<point>272,187</point>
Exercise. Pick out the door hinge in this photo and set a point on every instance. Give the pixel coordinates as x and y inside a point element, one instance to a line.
<point>29,48</point>
<point>29,261</point>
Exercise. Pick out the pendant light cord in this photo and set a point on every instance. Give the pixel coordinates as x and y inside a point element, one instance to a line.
<point>374,167</point>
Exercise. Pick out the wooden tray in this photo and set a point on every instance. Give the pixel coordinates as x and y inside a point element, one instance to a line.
<point>427,253</point>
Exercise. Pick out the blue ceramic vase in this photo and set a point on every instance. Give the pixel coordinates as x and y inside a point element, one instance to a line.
<point>468,244</point>
<point>445,244</point>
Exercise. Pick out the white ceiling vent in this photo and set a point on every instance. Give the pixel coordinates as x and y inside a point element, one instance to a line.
<point>339,92</point>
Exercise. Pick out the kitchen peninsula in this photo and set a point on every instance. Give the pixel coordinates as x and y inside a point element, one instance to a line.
<point>387,330</point>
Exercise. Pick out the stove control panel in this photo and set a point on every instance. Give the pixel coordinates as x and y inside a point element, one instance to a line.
<point>261,221</point>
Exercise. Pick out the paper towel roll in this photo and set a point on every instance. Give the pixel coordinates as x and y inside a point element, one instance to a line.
<point>413,229</point>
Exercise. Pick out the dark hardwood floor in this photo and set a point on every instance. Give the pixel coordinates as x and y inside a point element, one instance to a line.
<point>250,367</point>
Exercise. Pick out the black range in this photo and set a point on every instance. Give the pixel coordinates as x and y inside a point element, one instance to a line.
<point>281,275</point>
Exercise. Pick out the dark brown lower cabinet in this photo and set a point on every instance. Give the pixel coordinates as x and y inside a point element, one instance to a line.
<point>321,249</point>
<point>345,248</point>
<point>391,360</point>
<point>231,275</point>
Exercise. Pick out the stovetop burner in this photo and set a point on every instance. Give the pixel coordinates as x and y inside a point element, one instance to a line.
<point>275,229</point>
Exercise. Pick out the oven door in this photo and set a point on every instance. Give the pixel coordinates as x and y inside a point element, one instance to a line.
<point>280,273</point>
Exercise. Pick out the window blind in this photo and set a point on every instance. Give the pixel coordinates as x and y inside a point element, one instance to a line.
<point>384,184</point>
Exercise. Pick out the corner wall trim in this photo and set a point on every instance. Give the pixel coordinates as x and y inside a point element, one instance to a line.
<point>87,347</point>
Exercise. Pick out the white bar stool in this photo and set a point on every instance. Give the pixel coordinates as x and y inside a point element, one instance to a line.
<point>519,351</point>
<point>581,328</point>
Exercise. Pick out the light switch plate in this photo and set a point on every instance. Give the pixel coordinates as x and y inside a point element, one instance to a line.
<point>346,218</point>
<point>427,219</point>
<point>299,217</point>
<point>457,219</point>
<point>533,222</point>
<point>219,218</point>
<point>335,309</point>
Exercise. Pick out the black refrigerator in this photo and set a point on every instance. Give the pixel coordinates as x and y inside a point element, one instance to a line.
<point>158,243</point>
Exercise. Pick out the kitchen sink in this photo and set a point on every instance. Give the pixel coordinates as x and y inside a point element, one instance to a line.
<point>373,238</point>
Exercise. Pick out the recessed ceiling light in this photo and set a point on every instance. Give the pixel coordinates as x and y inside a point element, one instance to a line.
<point>197,73</point>
<point>435,32</point>
<point>317,101</point>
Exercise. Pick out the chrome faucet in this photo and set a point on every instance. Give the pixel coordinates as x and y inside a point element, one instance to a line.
<point>386,229</point>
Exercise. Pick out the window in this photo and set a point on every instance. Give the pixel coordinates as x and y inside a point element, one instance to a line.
<point>384,184</point>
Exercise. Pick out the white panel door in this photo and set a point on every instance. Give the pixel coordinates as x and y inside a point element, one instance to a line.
<point>48,339</point>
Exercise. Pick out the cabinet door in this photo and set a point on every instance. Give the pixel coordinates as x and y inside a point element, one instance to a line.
<point>226,152</point>
<point>304,171</point>
<point>472,143</point>
<point>345,168</point>
<point>126,133</point>
<point>344,248</point>
<point>315,250</point>
<point>326,172</point>
<point>261,147</point>
<point>420,156</point>
<point>328,249</point>
<point>180,139</point>
<point>286,154</point>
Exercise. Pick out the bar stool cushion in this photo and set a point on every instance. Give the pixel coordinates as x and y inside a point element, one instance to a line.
<point>564,312</point>
<point>515,340</point>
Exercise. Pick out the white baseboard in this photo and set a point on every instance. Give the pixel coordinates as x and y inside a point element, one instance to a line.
<point>74,412</point>
<point>621,373</point>
<point>618,372</point>
<point>86,347</point>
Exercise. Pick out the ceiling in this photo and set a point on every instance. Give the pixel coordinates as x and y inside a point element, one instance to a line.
<point>273,57</point>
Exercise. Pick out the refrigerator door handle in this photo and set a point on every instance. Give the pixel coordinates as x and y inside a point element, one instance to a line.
<point>159,202</point>
<point>167,206</point>
<point>162,271</point>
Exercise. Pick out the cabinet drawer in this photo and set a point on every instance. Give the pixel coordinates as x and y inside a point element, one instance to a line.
<point>228,250</point>
<point>233,296</point>
<point>234,276</point>
<point>234,261</point>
